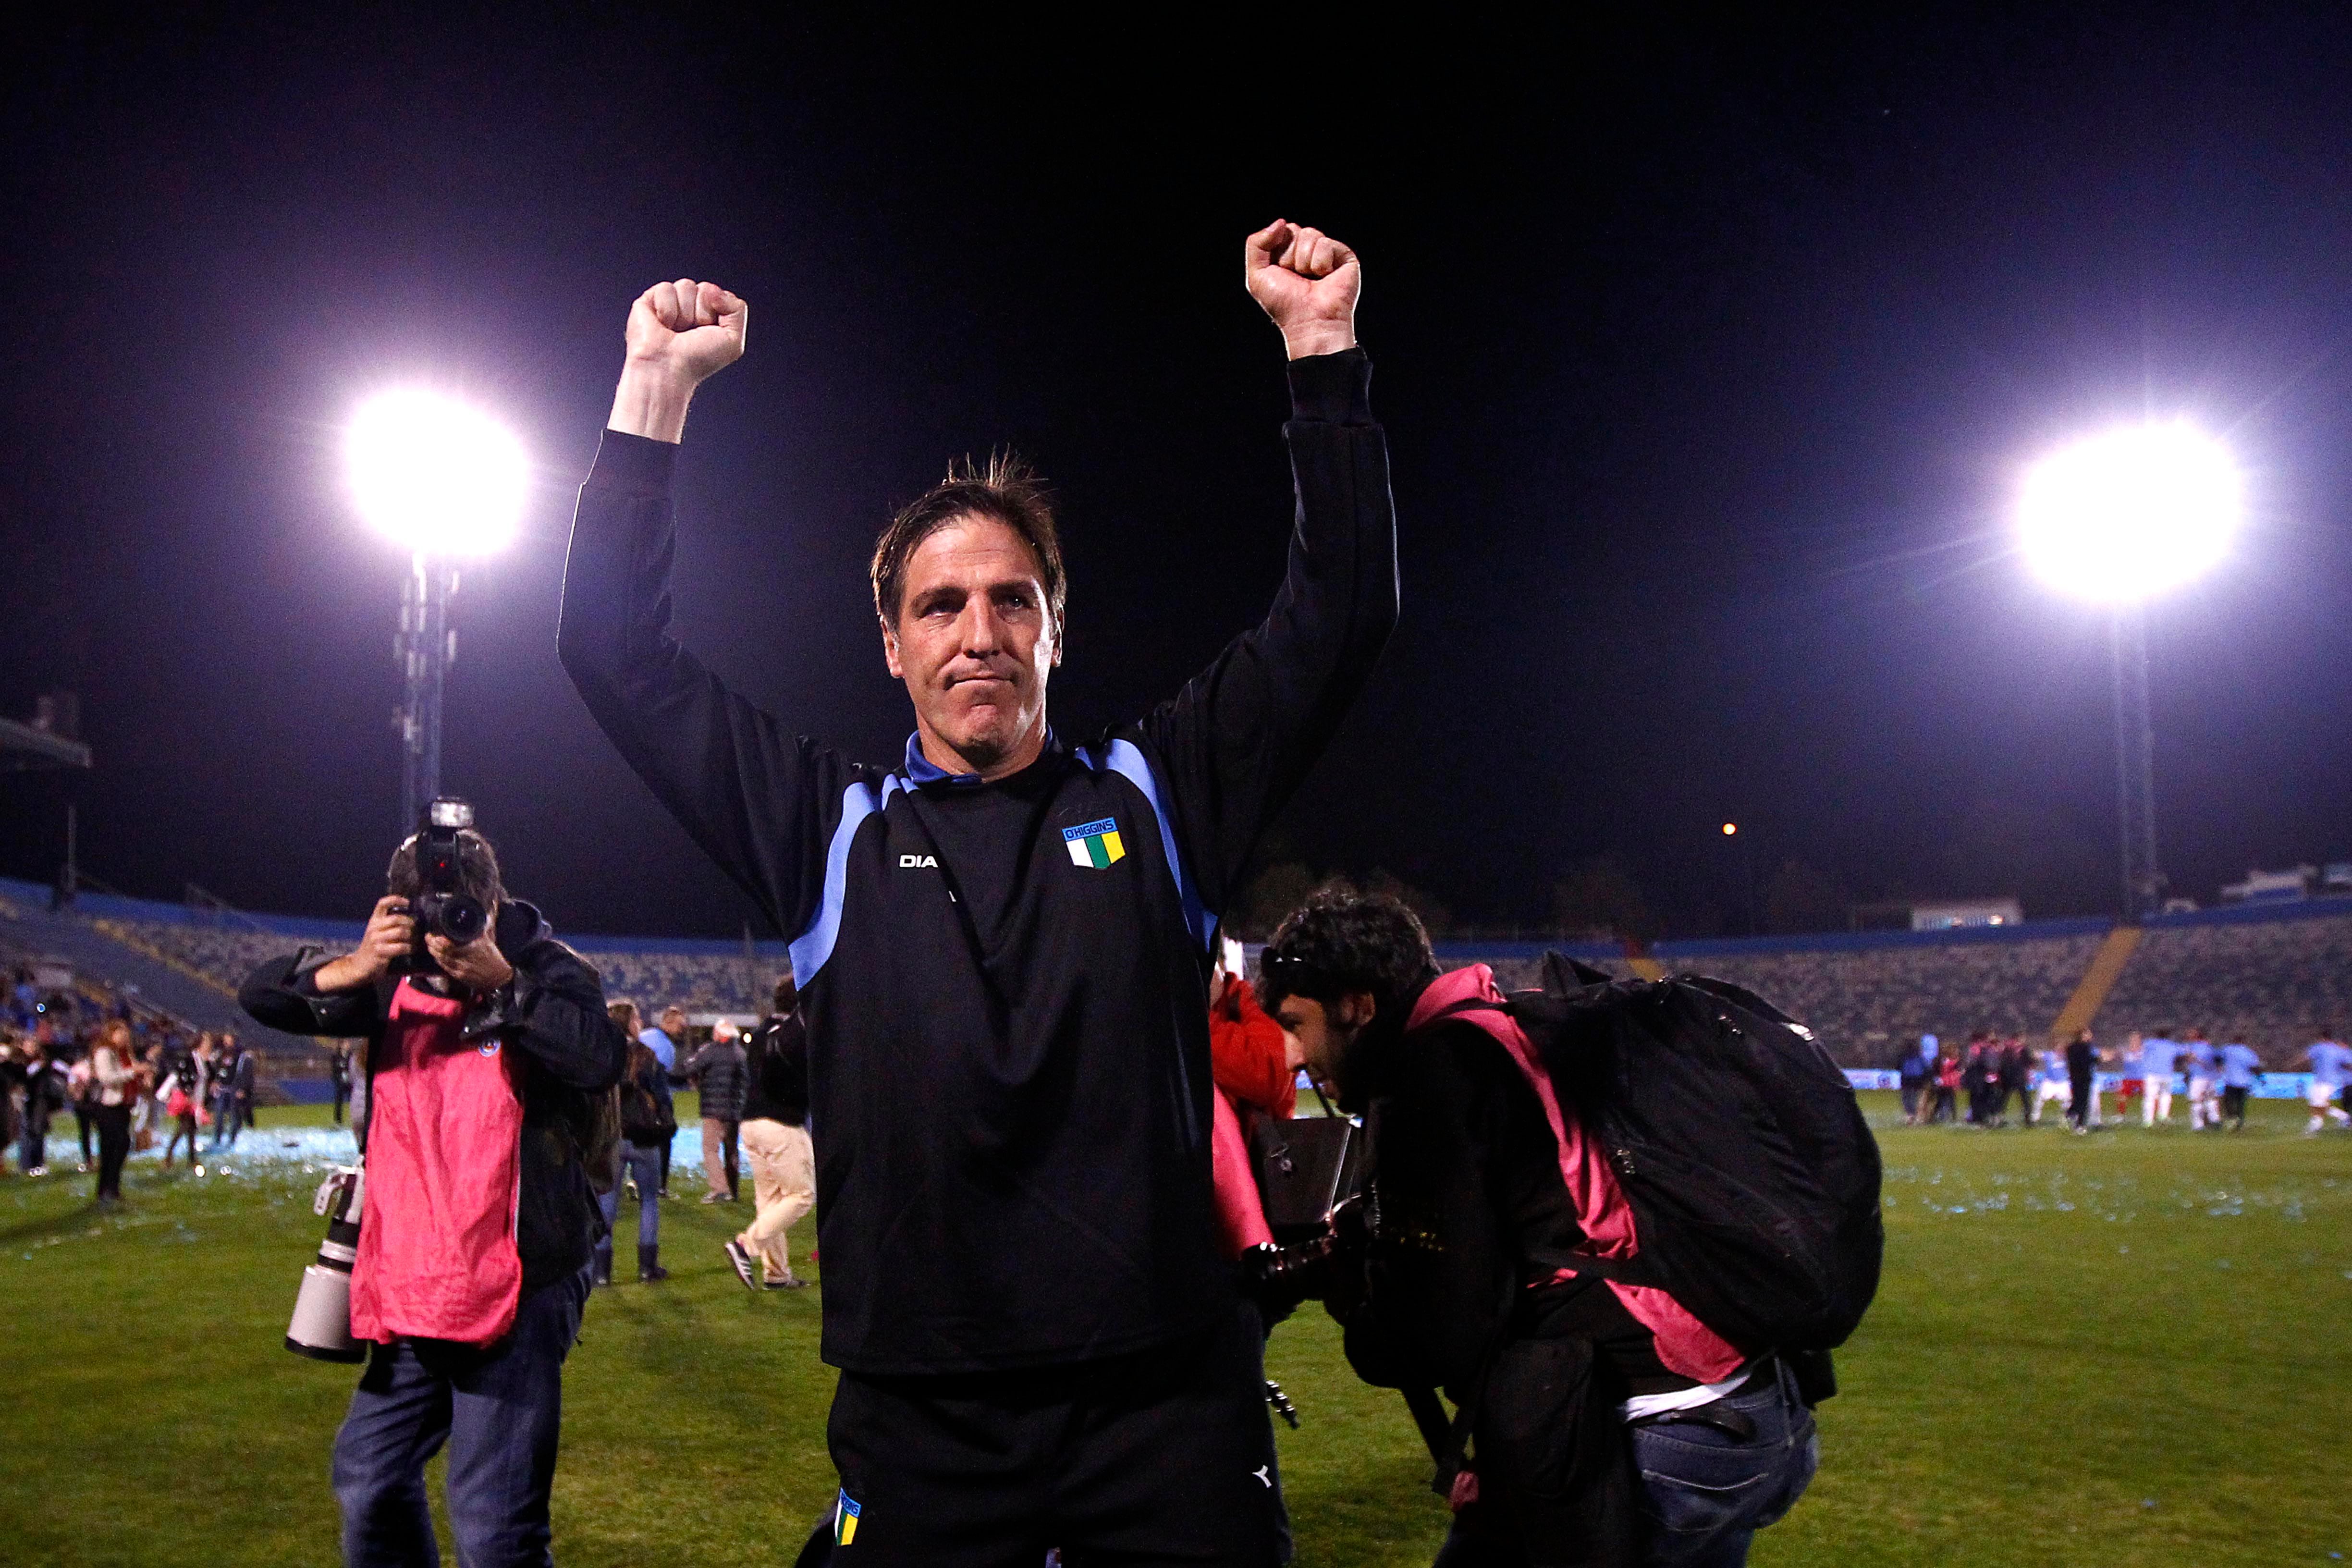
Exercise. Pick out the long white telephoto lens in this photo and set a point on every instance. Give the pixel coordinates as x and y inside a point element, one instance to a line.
<point>321,1327</point>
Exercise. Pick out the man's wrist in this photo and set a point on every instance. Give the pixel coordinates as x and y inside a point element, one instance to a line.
<point>348,973</point>
<point>1310,339</point>
<point>651,401</point>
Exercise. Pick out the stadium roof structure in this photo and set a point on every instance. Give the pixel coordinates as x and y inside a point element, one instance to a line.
<point>24,747</point>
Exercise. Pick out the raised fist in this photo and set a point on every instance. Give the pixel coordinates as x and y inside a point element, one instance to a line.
<point>687,329</point>
<point>1307,282</point>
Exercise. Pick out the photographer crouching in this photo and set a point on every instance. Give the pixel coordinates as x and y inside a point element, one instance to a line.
<point>1609,1426</point>
<point>488,1057</point>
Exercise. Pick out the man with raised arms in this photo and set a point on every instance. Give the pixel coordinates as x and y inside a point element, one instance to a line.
<point>1001,946</point>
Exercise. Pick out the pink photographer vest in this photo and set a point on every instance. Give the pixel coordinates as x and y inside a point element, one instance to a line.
<point>436,1253</point>
<point>1685,1344</point>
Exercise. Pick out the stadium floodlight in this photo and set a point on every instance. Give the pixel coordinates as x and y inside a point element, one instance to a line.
<point>446,481</point>
<point>439,475</point>
<point>2119,518</point>
<point>2124,515</point>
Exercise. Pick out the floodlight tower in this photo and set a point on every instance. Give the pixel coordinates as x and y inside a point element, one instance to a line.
<point>2119,518</point>
<point>446,481</point>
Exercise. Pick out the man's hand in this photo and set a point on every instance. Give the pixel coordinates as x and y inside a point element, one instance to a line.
<point>1307,282</point>
<point>678,334</point>
<point>390,935</point>
<point>478,965</point>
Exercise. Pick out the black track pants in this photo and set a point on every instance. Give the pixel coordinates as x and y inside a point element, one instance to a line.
<point>1165,1456</point>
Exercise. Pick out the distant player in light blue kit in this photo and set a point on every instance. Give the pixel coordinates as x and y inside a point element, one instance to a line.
<point>2204,1087</point>
<point>2239,1065</point>
<point>2330,1064</point>
<point>2051,1085</point>
<point>2159,1053</point>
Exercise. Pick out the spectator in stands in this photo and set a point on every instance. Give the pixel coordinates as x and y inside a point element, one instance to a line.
<point>2331,1064</point>
<point>114,1090</point>
<point>776,1142</point>
<point>2239,1067</point>
<point>1918,1071</point>
<point>2159,1057</point>
<point>717,1073</point>
<point>647,1124</point>
<point>2204,1086</point>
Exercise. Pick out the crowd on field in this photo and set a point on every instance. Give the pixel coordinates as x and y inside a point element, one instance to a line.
<point>130,1076</point>
<point>1974,1085</point>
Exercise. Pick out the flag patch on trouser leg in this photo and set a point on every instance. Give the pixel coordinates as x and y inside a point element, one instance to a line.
<point>844,1520</point>
<point>1094,844</point>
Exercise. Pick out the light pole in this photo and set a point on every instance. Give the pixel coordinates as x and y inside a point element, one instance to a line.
<point>2119,518</point>
<point>446,481</point>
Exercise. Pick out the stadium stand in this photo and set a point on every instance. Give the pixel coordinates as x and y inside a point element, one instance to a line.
<point>2276,976</point>
<point>1864,994</point>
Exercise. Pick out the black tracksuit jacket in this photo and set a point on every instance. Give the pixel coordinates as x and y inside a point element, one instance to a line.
<point>1005,985</point>
<point>553,1010</point>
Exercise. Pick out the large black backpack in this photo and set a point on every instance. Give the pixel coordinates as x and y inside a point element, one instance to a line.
<point>1752,1176</point>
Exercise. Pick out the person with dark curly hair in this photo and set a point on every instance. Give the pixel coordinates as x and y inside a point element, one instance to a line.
<point>1608,1426</point>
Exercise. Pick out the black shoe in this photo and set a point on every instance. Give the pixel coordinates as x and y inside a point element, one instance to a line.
<point>649,1269</point>
<point>742,1259</point>
<point>795,1283</point>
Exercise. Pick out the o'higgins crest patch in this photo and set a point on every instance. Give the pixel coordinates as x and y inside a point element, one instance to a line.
<point>1095,844</point>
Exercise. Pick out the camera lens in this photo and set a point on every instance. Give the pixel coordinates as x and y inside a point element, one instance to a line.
<point>462,919</point>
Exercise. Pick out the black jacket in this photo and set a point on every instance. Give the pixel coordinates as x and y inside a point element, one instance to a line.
<point>553,1010</point>
<point>1004,983</point>
<point>1459,1289</point>
<point>776,1087</point>
<point>717,1070</point>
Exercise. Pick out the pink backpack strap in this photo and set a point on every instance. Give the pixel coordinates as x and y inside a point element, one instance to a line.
<point>1685,1344</point>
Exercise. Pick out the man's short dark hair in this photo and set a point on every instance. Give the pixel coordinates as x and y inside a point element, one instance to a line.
<point>478,870</point>
<point>1005,491</point>
<point>787,995</point>
<point>1340,941</point>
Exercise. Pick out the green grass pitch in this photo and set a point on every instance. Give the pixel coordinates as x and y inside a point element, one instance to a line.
<point>2117,1350</point>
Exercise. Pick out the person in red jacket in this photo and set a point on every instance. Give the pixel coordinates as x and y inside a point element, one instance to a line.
<point>1251,1062</point>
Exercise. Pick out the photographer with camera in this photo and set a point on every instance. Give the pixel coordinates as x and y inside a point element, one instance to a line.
<point>1609,1424</point>
<point>488,1058</point>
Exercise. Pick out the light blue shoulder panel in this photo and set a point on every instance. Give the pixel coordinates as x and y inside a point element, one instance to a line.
<point>1126,759</point>
<point>814,945</point>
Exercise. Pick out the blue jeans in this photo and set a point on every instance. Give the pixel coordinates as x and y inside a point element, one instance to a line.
<point>643,1166</point>
<point>498,1407</point>
<point>1707,1493</point>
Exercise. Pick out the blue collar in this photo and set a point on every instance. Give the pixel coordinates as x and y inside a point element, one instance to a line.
<point>921,770</point>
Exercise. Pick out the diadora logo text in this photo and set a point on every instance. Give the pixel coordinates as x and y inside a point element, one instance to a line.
<point>912,862</point>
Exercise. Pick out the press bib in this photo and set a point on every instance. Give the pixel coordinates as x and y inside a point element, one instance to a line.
<point>436,1253</point>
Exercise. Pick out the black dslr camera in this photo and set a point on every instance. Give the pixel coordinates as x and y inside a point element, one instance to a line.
<point>442,907</point>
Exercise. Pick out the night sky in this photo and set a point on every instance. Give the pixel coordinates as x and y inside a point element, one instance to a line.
<point>1709,357</point>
